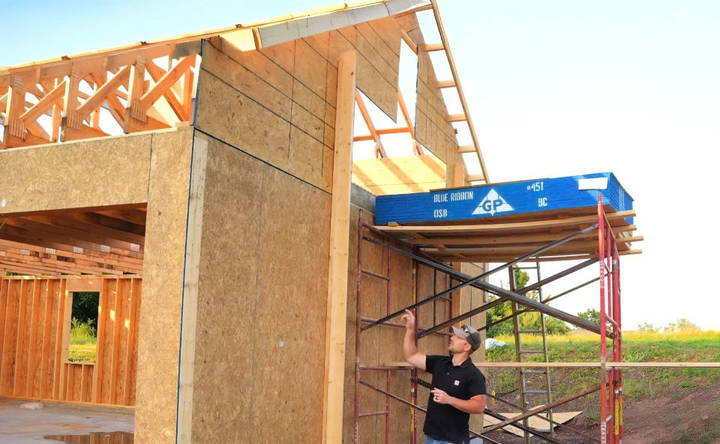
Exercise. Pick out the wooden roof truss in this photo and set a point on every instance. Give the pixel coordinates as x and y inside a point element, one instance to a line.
<point>135,90</point>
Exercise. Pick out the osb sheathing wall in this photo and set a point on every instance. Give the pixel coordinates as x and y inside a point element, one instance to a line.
<point>159,339</point>
<point>259,336</point>
<point>90,173</point>
<point>266,120</point>
<point>35,324</point>
<point>381,282</point>
<point>278,103</point>
<point>152,167</point>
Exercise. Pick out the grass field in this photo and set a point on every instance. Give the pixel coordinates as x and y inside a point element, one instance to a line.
<point>83,343</point>
<point>637,347</point>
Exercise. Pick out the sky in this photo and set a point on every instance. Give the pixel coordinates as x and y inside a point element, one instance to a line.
<point>555,88</point>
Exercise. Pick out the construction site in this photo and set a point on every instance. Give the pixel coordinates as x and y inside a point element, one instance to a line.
<point>236,201</point>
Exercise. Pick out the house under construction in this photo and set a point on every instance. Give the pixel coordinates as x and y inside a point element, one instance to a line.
<point>206,187</point>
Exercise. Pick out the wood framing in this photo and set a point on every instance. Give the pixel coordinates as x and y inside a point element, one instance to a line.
<point>261,117</point>
<point>102,86</point>
<point>35,313</point>
<point>339,245</point>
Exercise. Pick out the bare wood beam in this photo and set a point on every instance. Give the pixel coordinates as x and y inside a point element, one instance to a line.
<point>500,227</point>
<point>409,41</point>
<point>166,81</point>
<point>98,97</point>
<point>379,149</point>
<point>179,108</point>
<point>335,333</point>
<point>44,104</point>
<point>408,122</point>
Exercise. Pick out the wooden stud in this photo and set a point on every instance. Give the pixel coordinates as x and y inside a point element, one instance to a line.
<point>65,340</point>
<point>134,301</point>
<point>59,328</point>
<point>115,362</point>
<point>21,341</point>
<point>45,349</point>
<point>339,252</point>
<point>32,348</point>
<point>100,351</point>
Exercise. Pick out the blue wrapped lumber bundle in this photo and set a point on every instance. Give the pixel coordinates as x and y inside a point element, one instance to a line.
<point>503,199</point>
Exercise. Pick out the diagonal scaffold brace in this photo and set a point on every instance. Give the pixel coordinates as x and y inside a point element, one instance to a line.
<point>478,282</point>
<point>474,433</point>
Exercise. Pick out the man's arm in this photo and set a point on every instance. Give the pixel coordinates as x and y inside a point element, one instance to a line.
<point>476,404</point>
<point>412,355</point>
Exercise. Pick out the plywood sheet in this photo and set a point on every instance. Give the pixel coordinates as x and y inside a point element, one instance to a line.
<point>261,303</point>
<point>159,324</point>
<point>431,126</point>
<point>98,172</point>
<point>226,66</point>
<point>236,119</point>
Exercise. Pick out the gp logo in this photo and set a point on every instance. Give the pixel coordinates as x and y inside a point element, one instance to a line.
<point>492,203</point>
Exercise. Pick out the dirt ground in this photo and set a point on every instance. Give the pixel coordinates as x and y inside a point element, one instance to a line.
<point>687,418</point>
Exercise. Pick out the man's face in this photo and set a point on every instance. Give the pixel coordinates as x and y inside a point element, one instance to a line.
<point>458,345</point>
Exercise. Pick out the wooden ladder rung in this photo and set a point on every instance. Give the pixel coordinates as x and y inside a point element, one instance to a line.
<point>466,149</point>
<point>457,118</point>
<point>432,47</point>
<point>446,84</point>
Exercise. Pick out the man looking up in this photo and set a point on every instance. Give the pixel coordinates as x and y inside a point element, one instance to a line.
<point>458,386</point>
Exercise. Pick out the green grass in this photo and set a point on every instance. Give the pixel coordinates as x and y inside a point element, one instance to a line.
<point>82,353</point>
<point>83,342</point>
<point>637,347</point>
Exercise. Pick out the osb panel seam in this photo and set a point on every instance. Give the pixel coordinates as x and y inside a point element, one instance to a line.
<point>238,62</point>
<point>365,30</point>
<point>362,54</point>
<point>263,106</point>
<point>200,130</point>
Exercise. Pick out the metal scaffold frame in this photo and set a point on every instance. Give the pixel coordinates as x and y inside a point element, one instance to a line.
<point>610,386</point>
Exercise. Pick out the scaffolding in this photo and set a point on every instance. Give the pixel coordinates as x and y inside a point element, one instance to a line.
<point>605,253</point>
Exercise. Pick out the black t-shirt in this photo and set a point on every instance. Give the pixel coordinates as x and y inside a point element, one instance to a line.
<point>443,421</point>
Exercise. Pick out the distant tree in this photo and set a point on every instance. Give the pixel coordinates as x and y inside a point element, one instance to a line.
<point>590,315</point>
<point>681,325</point>
<point>527,321</point>
<point>645,326</point>
<point>85,307</point>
